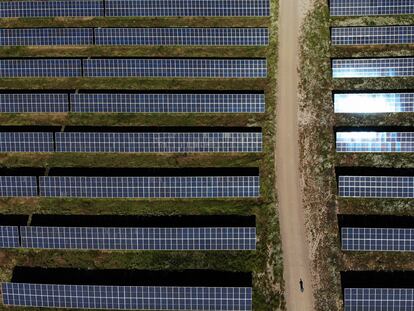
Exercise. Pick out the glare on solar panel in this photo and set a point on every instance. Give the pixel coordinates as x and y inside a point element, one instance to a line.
<point>370,7</point>
<point>207,238</point>
<point>373,67</point>
<point>163,103</point>
<point>127,297</point>
<point>376,186</point>
<point>9,237</point>
<point>375,141</point>
<point>17,68</point>
<point>26,142</point>
<point>18,186</point>
<point>374,102</point>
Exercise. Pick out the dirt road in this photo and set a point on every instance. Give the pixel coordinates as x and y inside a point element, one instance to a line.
<point>292,223</point>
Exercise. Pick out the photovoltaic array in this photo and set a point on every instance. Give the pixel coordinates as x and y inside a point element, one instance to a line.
<point>373,102</point>
<point>373,67</point>
<point>18,186</point>
<point>159,142</point>
<point>52,68</point>
<point>149,187</point>
<point>51,8</point>
<point>375,142</point>
<point>378,299</point>
<point>26,142</point>
<point>370,7</point>
<point>377,239</point>
<point>164,103</point>
<point>33,102</point>
<point>376,186</point>
<point>176,68</point>
<point>127,297</point>
<point>9,237</point>
<point>207,238</point>
<point>372,35</point>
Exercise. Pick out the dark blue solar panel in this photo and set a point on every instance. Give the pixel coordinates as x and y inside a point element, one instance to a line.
<point>26,142</point>
<point>17,68</point>
<point>158,142</point>
<point>187,8</point>
<point>34,102</point>
<point>149,187</point>
<point>18,186</point>
<point>127,297</point>
<point>51,8</point>
<point>179,68</point>
<point>220,238</point>
<point>182,36</point>
<point>370,7</point>
<point>46,36</point>
<point>9,237</point>
<point>163,103</point>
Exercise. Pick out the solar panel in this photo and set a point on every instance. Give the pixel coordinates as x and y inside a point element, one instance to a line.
<point>375,142</point>
<point>26,142</point>
<point>182,36</point>
<point>51,8</point>
<point>149,187</point>
<point>372,35</point>
<point>370,7</point>
<point>18,186</point>
<point>158,142</point>
<point>187,8</point>
<point>377,239</point>
<point>33,102</point>
<point>376,186</point>
<point>373,67</point>
<point>17,68</point>
<point>175,67</point>
<point>163,103</point>
<point>374,102</point>
<point>9,237</point>
<point>220,238</point>
<point>378,299</point>
<point>46,36</point>
<point>127,297</point>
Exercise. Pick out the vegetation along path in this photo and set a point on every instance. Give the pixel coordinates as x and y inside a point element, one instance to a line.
<point>296,260</point>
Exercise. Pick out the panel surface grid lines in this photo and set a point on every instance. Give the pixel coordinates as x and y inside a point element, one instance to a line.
<point>378,299</point>
<point>175,68</point>
<point>220,238</point>
<point>374,102</point>
<point>18,186</point>
<point>9,237</point>
<point>26,142</point>
<point>51,8</point>
<point>370,7</point>
<point>150,187</point>
<point>18,68</point>
<point>372,35</point>
<point>33,102</point>
<point>376,186</point>
<point>168,103</point>
<point>375,142</point>
<point>127,297</point>
<point>158,142</point>
<point>377,239</point>
<point>373,67</point>
<point>182,36</point>
<point>46,36</point>
<point>187,8</point>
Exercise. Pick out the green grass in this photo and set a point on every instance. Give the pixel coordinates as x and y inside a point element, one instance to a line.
<point>265,263</point>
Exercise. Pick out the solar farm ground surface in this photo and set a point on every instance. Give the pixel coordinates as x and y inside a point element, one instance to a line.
<point>265,263</point>
<point>319,160</point>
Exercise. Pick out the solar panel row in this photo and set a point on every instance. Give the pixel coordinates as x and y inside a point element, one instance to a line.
<point>370,7</point>
<point>207,238</point>
<point>135,36</point>
<point>26,142</point>
<point>372,35</point>
<point>18,186</point>
<point>377,239</point>
<point>70,8</point>
<point>132,67</point>
<point>9,237</point>
<point>132,103</point>
<point>375,142</point>
<point>373,102</point>
<point>127,297</point>
<point>376,186</point>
